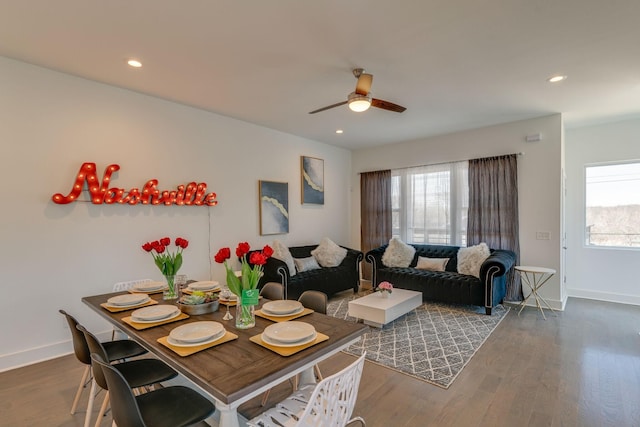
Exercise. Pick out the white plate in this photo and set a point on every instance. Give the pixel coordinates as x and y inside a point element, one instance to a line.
<point>204,286</point>
<point>173,315</point>
<point>300,310</point>
<point>285,306</point>
<point>154,312</point>
<point>294,344</point>
<point>289,332</point>
<point>149,286</point>
<point>195,344</point>
<point>196,332</point>
<point>127,300</point>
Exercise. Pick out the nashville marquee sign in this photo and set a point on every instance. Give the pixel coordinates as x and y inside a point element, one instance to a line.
<point>191,194</point>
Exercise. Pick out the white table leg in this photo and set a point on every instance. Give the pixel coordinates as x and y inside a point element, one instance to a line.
<point>307,377</point>
<point>228,416</point>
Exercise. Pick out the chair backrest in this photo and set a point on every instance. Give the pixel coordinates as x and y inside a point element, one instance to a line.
<point>80,347</point>
<point>125,286</point>
<point>95,347</point>
<point>272,291</point>
<point>315,300</point>
<point>333,399</point>
<point>124,407</point>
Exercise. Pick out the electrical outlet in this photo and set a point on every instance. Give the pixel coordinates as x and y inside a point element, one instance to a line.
<point>543,235</point>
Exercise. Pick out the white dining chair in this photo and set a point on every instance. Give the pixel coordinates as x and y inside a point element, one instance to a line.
<point>328,403</point>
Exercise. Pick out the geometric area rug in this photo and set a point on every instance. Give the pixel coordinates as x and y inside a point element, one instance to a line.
<point>433,343</point>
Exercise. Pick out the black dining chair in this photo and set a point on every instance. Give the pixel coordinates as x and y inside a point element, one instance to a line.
<point>273,291</point>
<point>116,350</point>
<point>138,373</point>
<point>174,406</point>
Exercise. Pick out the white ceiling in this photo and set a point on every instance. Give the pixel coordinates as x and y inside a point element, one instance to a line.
<point>455,64</point>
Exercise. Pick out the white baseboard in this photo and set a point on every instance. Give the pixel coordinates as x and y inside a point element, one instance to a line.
<point>604,296</point>
<point>40,354</point>
<point>555,304</point>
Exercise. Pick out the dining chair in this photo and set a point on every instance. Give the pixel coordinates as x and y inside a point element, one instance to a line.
<point>173,406</point>
<point>272,290</point>
<point>138,373</point>
<point>116,350</point>
<point>328,403</point>
<point>315,300</point>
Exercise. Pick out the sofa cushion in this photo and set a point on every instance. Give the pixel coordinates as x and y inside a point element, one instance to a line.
<point>470,259</point>
<point>306,264</point>
<point>432,264</point>
<point>329,254</point>
<point>281,252</point>
<point>398,253</point>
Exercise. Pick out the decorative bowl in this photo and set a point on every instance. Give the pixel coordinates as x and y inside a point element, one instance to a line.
<point>195,309</point>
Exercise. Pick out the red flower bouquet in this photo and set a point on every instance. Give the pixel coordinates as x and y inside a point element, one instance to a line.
<point>250,275</point>
<point>167,262</point>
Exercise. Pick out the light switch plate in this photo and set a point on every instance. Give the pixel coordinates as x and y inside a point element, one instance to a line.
<point>543,235</point>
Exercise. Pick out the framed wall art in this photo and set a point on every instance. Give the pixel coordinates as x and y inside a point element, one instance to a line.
<point>274,207</point>
<point>312,173</point>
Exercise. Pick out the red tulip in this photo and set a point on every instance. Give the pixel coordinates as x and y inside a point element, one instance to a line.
<point>165,241</point>
<point>267,251</point>
<point>242,249</point>
<point>147,247</point>
<point>160,249</point>
<point>184,243</point>
<point>223,255</point>
<point>257,258</point>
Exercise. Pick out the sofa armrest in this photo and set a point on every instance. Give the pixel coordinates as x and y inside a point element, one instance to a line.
<point>499,262</point>
<point>374,257</point>
<point>275,270</point>
<point>492,271</point>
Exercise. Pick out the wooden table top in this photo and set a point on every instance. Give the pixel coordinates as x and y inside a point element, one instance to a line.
<point>235,369</point>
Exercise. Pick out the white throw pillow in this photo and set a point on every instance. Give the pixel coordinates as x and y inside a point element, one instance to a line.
<point>328,254</point>
<point>470,259</point>
<point>306,264</point>
<point>281,252</point>
<point>432,264</point>
<point>398,254</point>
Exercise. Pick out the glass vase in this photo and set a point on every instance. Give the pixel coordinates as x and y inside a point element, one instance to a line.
<point>384,294</point>
<point>245,315</point>
<point>171,291</point>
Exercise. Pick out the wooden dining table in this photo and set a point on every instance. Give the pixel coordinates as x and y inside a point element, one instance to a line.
<point>236,371</point>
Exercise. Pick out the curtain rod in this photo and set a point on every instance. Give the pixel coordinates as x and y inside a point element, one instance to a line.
<point>521,153</point>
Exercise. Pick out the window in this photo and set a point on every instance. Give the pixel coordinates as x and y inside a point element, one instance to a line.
<point>430,204</point>
<point>612,196</point>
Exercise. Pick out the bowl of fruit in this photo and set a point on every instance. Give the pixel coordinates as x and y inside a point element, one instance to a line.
<point>199,303</point>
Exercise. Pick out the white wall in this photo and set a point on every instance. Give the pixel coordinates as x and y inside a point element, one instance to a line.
<point>539,180</point>
<point>52,255</point>
<point>598,273</point>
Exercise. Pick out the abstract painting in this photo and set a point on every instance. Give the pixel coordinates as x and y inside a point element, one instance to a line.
<point>312,171</point>
<point>274,207</point>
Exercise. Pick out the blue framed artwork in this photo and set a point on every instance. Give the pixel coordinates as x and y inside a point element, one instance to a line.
<point>312,171</point>
<point>274,207</point>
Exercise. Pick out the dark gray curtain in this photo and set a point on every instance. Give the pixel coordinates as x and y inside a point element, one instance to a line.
<point>375,213</point>
<point>493,210</point>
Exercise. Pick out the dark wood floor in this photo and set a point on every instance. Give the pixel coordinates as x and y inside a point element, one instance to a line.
<point>581,368</point>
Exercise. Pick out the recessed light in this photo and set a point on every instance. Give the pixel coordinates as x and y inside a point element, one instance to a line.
<point>134,63</point>
<point>556,79</point>
<point>339,131</point>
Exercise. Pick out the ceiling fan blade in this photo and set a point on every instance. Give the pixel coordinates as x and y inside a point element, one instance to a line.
<point>386,105</point>
<point>328,107</point>
<point>364,84</point>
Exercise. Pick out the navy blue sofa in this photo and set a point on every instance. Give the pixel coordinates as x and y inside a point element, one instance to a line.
<point>448,286</point>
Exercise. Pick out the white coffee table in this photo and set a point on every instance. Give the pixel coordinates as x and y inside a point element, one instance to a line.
<point>377,311</point>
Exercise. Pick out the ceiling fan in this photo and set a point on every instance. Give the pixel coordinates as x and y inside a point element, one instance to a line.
<point>360,99</point>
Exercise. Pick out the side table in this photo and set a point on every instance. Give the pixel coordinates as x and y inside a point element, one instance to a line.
<point>535,278</point>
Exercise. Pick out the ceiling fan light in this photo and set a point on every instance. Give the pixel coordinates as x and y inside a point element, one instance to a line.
<point>359,103</point>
